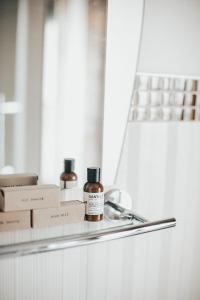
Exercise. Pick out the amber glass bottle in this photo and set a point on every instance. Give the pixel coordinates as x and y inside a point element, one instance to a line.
<point>68,179</point>
<point>94,195</point>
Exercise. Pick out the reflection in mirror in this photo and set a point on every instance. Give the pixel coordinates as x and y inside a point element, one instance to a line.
<point>51,70</point>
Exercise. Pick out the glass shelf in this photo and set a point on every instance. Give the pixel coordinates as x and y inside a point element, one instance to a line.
<point>30,235</point>
<point>118,223</point>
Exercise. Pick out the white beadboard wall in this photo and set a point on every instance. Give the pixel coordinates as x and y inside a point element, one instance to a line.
<point>160,167</point>
<point>104,271</point>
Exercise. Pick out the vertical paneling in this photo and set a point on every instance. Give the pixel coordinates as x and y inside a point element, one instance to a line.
<point>167,169</point>
<point>114,270</point>
<point>74,274</point>
<point>7,279</point>
<point>97,271</point>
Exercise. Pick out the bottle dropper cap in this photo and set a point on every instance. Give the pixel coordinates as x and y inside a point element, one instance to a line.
<point>69,164</point>
<point>93,174</point>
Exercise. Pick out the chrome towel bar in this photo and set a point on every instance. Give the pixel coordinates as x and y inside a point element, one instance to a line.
<point>76,240</point>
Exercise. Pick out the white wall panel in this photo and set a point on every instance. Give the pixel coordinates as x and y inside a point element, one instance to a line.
<point>166,170</point>
<point>123,38</point>
<point>170,39</point>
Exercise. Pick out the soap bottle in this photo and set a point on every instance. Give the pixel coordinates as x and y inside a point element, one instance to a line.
<point>68,179</point>
<point>94,195</point>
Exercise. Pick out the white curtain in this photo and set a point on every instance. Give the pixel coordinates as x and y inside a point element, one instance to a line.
<point>72,105</point>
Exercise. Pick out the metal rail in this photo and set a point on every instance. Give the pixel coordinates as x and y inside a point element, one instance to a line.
<point>77,240</point>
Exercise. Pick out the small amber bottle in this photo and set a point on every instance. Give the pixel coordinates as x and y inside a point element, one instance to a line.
<point>68,179</point>
<point>94,196</point>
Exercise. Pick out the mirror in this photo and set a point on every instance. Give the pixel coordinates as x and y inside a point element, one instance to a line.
<point>159,164</point>
<point>152,145</point>
<point>52,57</point>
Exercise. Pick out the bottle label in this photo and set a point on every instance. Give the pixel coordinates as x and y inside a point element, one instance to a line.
<point>94,203</point>
<point>68,184</point>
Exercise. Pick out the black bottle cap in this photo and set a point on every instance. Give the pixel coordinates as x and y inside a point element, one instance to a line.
<point>93,174</point>
<point>69,164</point>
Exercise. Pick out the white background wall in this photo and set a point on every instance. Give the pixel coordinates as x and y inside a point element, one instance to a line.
<point>122,47</point>
<point>170,39</point>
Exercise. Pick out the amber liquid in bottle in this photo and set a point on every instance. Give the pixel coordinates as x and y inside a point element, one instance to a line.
<point>94,196</point>
<point>68,179</point>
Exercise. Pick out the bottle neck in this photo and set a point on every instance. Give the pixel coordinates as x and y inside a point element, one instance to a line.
<point>67,170</point>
